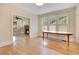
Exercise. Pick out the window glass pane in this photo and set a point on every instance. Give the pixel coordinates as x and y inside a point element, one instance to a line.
<point>52,27</point>
<point>62,20</point>
<point>62,28</point>
<point>62,24</point>
<point>44,28</point>
<point>44,23</point>
<point>52,23</point>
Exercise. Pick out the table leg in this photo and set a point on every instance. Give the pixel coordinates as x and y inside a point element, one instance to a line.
<point>47,35</point>
<point>68,40</point>
<point>43,35</point>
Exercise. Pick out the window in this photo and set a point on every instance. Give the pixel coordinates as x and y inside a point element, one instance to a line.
<point>62,23</point>
<point>55,23</point>
<point>52,24</point>
<point>44,23</point>
<point>49,23</point>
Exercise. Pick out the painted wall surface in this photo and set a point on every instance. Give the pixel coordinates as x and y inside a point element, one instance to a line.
<point>77,23</point>
<point>6,13</point>
<point>33,26</point>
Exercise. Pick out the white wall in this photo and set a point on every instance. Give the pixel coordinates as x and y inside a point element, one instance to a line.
<point>33,26</point>
<point>6,13</point>
<point>77,23</point>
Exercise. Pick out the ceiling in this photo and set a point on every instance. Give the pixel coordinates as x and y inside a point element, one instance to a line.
<point>47,7</point>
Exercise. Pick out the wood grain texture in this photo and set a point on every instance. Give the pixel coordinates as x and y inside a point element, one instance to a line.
<point>22,45</point>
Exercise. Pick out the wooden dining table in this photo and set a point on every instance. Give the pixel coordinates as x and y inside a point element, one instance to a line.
<point>68,34</point>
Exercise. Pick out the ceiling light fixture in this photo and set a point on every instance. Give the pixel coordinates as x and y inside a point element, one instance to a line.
<point>39,4</point>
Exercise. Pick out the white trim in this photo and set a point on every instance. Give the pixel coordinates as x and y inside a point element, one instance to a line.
<point>34,35</point>
<point>77,39</point>
<point>4,43</point>
<point>21,16</point>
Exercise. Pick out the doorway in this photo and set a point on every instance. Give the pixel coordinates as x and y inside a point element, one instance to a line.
<point>20,25</point>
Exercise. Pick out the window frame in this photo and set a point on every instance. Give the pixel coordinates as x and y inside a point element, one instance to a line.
<point>57,25</point>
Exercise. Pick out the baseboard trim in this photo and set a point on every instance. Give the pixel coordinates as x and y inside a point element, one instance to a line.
<point>33,36</point>
<point>4,43</point>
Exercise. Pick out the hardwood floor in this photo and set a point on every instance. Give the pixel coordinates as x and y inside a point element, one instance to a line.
<point>22,45</point>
